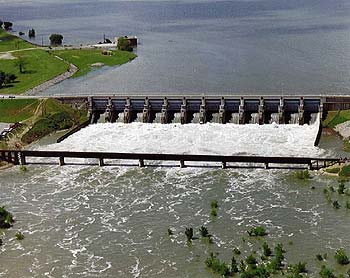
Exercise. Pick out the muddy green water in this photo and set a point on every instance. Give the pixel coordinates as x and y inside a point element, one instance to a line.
<point>86,221</point>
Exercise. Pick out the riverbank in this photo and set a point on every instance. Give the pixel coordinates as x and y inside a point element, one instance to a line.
<point>39,118</point>
<point>43,67</point>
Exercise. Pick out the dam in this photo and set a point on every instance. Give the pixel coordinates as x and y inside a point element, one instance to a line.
<point>202,109</point>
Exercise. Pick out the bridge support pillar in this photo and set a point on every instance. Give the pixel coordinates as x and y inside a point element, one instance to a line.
<point>223,165</point>
<point>110,115</point>
<point>266,165</point>
<point>164,112</point>
<point>182,164</point>
<point>146,113</point>
<point>241,112</point>
<point>309,166</point>
<point>222,119</point>
<point>23,159</point>
<point>261,111</point>
<point>202,112</point>
<point>301,111</point>
<point>61,161</point>
<point>183,111</point>
<point>101,162</point>
<point>141,163</point>
<point>281,111</point>
<point>127,111</point>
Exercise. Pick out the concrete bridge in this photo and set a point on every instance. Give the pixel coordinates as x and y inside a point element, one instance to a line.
<point>21,157</point>
<point>219,109</point>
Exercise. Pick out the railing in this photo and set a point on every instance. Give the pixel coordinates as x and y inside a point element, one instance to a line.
<point>20,157</point>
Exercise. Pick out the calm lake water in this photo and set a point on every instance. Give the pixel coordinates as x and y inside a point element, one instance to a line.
<point>246,46</point>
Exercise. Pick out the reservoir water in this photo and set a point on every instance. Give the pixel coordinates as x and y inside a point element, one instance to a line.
<point>192,46</point>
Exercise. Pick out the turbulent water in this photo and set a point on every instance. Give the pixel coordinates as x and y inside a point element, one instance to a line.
<point>90,221</point>
<point>240,46</point>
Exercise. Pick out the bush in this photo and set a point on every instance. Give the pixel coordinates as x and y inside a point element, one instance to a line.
<point>19,236</point>
<point>124,44</point>
<point>56,39</point>
<point>170,232</point>
<point>257,231</point>
<point>204,231</point>
<point>302,175</point>
<point>266,249</point>
<point>6,219</point>
<point>236,251</point>
<point>336,204</point>
<point>341,188</point>
<point>45,126</point>
<point>189,234</point>
<point>326,272</point>
<point>341,257</point>
<point>345,171</point>
<point>216,265</point>
<point>298,268</point>
<point>334,170</point>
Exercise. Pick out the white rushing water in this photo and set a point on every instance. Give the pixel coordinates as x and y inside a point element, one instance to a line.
<point>210,138</point>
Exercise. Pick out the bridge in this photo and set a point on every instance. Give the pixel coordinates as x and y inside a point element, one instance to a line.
<point>20,157</point>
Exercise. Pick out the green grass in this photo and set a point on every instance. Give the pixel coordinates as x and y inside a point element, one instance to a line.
<point>9,42</point>
<point>40,67</point>
<point>17,110</point>
<point>336,117</point>
<point>334,170</point>
<point>345,171</point>
<point>84,58</point>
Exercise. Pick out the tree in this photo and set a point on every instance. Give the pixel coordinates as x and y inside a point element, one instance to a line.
<point>8,25</point>
<point>124,44</point>
<point>1,23</point>
<point>31,33</point>
<point>9,78</point>
<point>20,63</point>
<point>56,39</point>
<point>2,78</point>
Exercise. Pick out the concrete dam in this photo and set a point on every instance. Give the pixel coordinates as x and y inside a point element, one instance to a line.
<point>236,110</point>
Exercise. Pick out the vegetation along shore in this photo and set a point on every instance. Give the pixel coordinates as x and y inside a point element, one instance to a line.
<point>29,68</point>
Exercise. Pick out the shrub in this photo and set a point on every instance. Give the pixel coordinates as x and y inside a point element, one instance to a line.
<point>302,175</point>
<point>336,204</point>
<point>333,170</point>
<point>251,261</point>
<point>204,231</point>
<point>298,268</point>
<point>216,265</point>
<point>124,44</point>
<point>214,204</point>
<point>234,266</point>
<point>170,232</point>
<point>6,219</point>
<point>326,272</point>
<point>257,231</point>
<point>341,188</point>
<point>266,249</point>
<point>23,168</point>
<point>347,204</point>
<point>214,212</point>
<point>345,171</point>
<point>19,236</point>
<point>319,257</point>
<point>341,257</point>
<point>56,39</point>
<point>189,234</point>
<point>236,251</point>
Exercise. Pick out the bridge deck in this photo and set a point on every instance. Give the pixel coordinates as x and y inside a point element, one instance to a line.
<point>20,157</point>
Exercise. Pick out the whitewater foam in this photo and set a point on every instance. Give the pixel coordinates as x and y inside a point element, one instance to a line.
<point>210,138</point>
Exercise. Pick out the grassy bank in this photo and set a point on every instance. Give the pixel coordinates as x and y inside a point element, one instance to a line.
<point>17,110</point>
<point>42,65</point>
<point>336,117</point>
<point>39,118</point>
<point>10,42</point>
<point>39,67</point>
<point>84,58</point>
